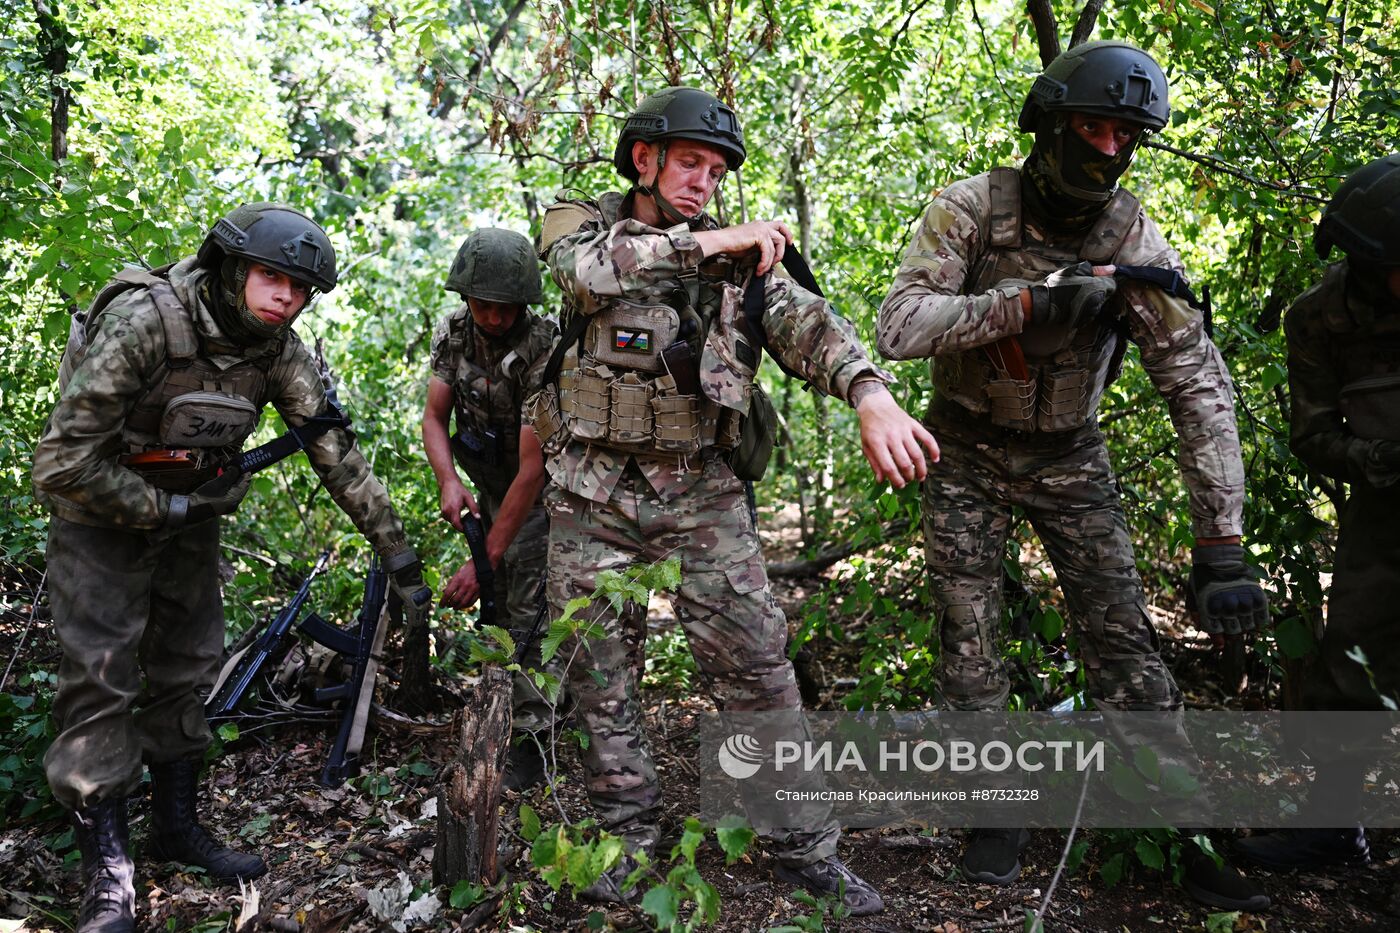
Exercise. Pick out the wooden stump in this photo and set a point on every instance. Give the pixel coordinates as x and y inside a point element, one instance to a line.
<point>469,800</point>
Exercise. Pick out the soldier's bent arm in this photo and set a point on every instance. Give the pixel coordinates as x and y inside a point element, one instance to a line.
<point>336,458</point>
<point>1190,373</point>
<point>812,339</point>
<point>600,263</point>
<point>925,313</point>
<point>1318,435</point>
<point>76,459</point>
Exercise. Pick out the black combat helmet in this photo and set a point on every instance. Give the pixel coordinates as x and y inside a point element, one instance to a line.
<point>1363,217</point>
<point>1110,79</point>
<point>496,265</point>
<point>680,113</point>
<point>274,235</point>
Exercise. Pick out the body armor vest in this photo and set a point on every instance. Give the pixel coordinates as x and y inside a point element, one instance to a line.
<point>1365,357</point>
<point>1068,368</point>
<point>486,403</point>
<point>665,372</point>
<point>188,401</point>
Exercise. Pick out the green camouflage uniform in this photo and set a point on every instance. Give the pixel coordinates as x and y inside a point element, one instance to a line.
<point>1344,386</point>
<point>1008,442</point>
<point>490,378</point>
<point>611,508</point>
<point>131,597</point>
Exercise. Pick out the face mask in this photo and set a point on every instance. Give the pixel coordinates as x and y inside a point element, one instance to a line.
<point>1074,166</point>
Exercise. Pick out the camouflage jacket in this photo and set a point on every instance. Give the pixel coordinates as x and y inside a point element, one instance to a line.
<point>610,256</point>
<point>75,462</point>
<point>957,294</point>
<point>1343,378</point>
<point>490,378</point>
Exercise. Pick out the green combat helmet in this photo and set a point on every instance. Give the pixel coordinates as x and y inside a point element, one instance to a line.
<point>1106,79</point>
<point>496,265</point>
<point>274,235</point>
<point>1364,216</point>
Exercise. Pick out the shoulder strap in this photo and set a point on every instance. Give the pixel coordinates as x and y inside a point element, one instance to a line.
<point>181,341</point>
<point>1106,237</point>
<point>801,273</point>
<point>1004,223</point>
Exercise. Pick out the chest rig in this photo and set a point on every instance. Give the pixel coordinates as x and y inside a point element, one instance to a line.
<point>487,392</point>
<point>666,372</point>
<point>1066,369</point>
<point>188,401</point>
<point>1365,355</point>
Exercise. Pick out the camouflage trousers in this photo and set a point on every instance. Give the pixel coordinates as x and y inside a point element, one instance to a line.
<point>140,620</point>
<point>737,635</point>
<point>518,599</point>
<point>1363,608</point>
<point>1064,484</point>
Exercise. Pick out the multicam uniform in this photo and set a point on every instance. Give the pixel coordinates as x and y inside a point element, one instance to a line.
<point>1034,442</point>
<point>490,378</point>
<point>130,596</point>
<point>1344,388</point>
<point>639,474</point>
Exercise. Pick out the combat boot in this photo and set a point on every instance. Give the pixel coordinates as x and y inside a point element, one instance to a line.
<point>993,856</point>
<point>1221,886</point>
<point>176,835</point>
<point>109,897</point>
<point>1290,849</point>
<point>524,766</point>
<point>829,877</point>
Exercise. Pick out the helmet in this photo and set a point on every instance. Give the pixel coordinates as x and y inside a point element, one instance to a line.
<point>274,235</point>
<point>1110,79</point>
<point>1363,215</point>
<point>680,113</point>
<point>496,265</point>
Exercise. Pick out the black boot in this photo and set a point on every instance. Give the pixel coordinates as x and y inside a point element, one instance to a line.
<point>109,899</point>
<point>176,835</point>
<point>1289,849</point>
<point>993,856</point>
<point>1221,886</point>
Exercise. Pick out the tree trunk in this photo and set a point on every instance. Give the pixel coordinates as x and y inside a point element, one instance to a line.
<point>469,801</point>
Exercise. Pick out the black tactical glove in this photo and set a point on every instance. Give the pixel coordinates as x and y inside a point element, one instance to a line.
<point>1071,297</point>
<point>406,578</point>
<point>1225,591</point>
<point>215,497</point>
<point>1383,464</point>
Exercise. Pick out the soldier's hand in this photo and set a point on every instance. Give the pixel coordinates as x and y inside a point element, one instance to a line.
<point>406,579</point>
<point>1225,590</point>
<point>455,500</point>
<point>1383,464</point>
<point>462,590</point>
<point>1071,296</point>
<point>216,497</point>
<point>769,237</point>
<point>893,442</point>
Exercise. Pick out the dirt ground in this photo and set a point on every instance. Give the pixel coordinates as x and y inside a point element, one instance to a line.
<point>332,852</point>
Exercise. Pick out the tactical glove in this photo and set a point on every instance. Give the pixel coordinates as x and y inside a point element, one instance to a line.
<point>1224,590</point>
<point>1071,297</point>
<point>215,497</point>
<point>406,579</point>
<point>1383,464</point>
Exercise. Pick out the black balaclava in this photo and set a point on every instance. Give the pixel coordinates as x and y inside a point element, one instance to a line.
<point>1070,181</point>
<point>1371,283</point>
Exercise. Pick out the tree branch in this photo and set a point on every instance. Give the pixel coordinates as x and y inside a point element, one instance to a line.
<point>831,555</point>
<point>1219,165</point>
<point>1047,33</point>
<point>1084,26</point>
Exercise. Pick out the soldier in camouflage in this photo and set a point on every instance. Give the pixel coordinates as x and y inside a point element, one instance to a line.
<point>1344,392</point>
<point>184,357</point>
<point>1009,289</point>
<point>656,372</point>
<point>486,356</point>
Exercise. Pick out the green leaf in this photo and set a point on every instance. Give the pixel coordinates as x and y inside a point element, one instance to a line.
<point>529,822</point>
<point>1111,871</point>
<point>464,894</point>
<point>1150,854</point>
<point>662,903</point>
<point>1222,922</point>
<point>579,865</point>
<point>1294,638</point>
<point>734,839</point>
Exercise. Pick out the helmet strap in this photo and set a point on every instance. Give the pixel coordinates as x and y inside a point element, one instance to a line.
<point>668,210</point>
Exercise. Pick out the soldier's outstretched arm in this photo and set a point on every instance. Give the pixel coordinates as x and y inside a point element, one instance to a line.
<point>925,313</point>
<point>454,497</point>
<point>893,442</point>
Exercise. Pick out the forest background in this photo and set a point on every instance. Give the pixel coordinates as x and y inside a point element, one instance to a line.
<point>128,126</point>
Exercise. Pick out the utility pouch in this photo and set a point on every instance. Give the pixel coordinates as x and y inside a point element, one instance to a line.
<point>1012,403</point>
<point>1063,397</point>
<point>1371,407</point>
<point>477,445</point>
<point>631,420</point>
<point>680,364</point>
<point>677,418</point>
<point>207,419</point>
<point>728,360</point>
<point>542,411</point>
<point>758,434</point>
<point>632,336</point>
<point>584,399</point>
